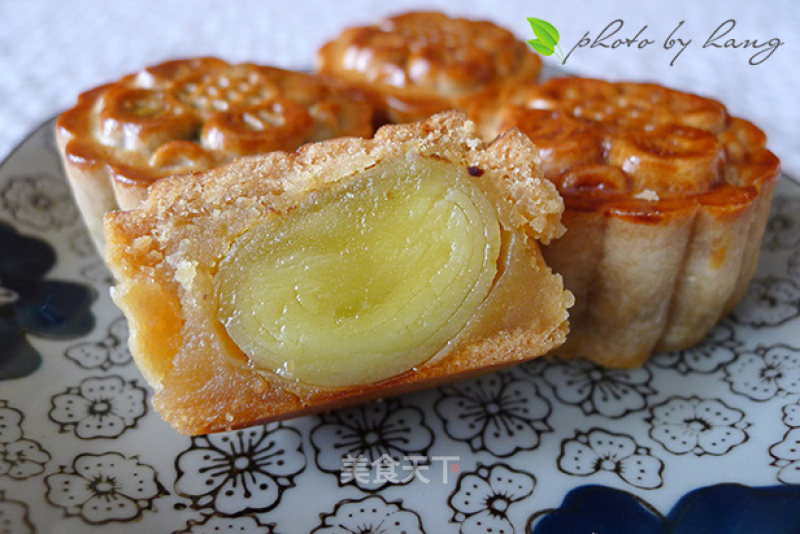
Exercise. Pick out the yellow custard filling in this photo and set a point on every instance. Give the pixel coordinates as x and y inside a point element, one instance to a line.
<point>362,281</point>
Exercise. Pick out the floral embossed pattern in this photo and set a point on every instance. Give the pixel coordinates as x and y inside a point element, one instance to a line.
<point>599,450</point>
<point>41,201</point>
<point>769,301</point>
<point>104,488</point>
<point>783,226</point>
<point>14,517</point>
<point>702,426</point>
<point>195,114</point>
<point>370,515</point>
<point>354,444</point>
<point>497,413</point>
<point>786,453</point>
<point>241,471</point>
<point>482,499</point>
<point>608,392</point>
<point>20,458</point>
<point>100,407</point>
<point>111,351</point>
<point>719,348</point>
<point>766,372</point>
<point>215,524</point>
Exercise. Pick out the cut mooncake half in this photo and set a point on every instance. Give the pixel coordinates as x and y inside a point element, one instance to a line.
<point>666,197</point>
<point>352,269</point>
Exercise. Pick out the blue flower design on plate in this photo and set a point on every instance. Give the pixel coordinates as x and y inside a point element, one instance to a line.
<point>30,304</point>
<point>724,508</point>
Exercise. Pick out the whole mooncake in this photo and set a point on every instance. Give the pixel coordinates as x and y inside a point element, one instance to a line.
<point>192,115</point>
<point>666,199</point>
<point>419,63</point>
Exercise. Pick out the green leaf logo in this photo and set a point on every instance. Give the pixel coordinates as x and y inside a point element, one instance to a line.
<point>546,42</point>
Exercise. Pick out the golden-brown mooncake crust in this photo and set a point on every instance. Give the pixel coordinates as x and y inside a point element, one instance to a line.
<point>192,115</point>
<point>164,255</point>
<point>419,63</point>
<point>666,201</point>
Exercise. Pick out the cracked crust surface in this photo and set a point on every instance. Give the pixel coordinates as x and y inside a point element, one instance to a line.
<point>192,115</point>
<point>418,63</point>
<point>666,201</point>
<point>164,255</point>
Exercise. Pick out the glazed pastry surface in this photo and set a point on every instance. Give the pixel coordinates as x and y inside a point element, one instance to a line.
<point>192,115</point>
<point>420,63</point>
<point>666,200</point>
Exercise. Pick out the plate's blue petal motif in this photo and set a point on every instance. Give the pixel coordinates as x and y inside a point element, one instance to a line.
<point>29,304</point>
<point>24,259</point>
<point>600,510</point>
<point>720,509</point>
<point>737,509</point>
<point>57,310</point>
<point>17,357</point>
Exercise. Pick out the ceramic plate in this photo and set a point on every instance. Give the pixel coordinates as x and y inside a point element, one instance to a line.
<point>703,440</point>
